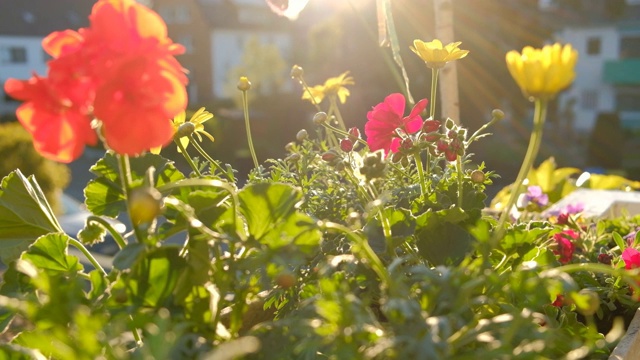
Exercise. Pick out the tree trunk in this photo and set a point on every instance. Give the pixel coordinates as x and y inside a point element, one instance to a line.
<point>449,101</point>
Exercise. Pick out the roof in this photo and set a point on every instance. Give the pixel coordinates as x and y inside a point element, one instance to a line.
<point>592,13</point>
<point>41,17</point>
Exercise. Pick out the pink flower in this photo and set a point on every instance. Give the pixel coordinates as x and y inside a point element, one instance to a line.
<point>565,245</point>
<point>631,258</point>
<point>386,117</point>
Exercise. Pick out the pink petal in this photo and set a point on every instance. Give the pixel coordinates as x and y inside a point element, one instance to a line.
<point>395,145</point>
<point>396,103</point>
<point>418,108</point>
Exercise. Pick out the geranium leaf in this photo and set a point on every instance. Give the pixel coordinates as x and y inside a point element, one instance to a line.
<point>25,215</point>
<point>104,195</point>
<point>49,253</point>
<point>265,206</point>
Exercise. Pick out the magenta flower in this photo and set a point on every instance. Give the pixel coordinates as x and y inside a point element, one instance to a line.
<point>565,245</point>
<point>631,258</point>
<point>386,117</point>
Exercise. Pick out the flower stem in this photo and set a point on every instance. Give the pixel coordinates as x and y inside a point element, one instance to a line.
<point>204,154</point>
<point>460,170</point>
<point>187,157</point>
<point>245,108</point>
<point>364,250</point>
<point>105,224</point>
<point>434,92</point>
<point>423,184</point>
<point>125,175</point>
<point>343,133</point>
<point>78,245</point>
<point>532,151</point>
<point>334,110</point>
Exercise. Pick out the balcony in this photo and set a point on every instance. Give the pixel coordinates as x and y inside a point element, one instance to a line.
<point>622,72</point>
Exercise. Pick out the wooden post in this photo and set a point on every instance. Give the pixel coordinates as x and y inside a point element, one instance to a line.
<point>449,101</point>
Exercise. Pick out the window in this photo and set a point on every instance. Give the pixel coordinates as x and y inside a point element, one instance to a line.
<point>13,55</point>
<point>593,46</point>
<point>175,14</point>
<point>589,99</point>
<point>630,47</point>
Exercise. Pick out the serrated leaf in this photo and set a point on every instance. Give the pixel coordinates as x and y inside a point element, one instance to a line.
<point>105,196</point>
<point>25,215</point>
<point>265,206</point>
<point>49,253</point>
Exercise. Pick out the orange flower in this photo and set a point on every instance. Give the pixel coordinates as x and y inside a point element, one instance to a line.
<point>121,69</point>
<point>60,130</point>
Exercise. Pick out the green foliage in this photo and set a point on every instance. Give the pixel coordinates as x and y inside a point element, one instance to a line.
<point>17,152</point>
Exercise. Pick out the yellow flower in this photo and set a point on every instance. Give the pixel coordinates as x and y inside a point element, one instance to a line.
<point>542,73</point>
<point>435,54</point>
<point>334,86</point>
<point>182,129</point>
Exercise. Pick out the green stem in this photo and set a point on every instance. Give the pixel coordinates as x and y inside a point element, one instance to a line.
<point>336,111</point>
<point>532,152</point>
<point>78,245</point>
<point>187,157</point>
<point>107,226</point>
<point>245,109</point>
<point>343,133</point>
<point>460,170</point>
<point>364,250</point>
<point>125,175</point>
<point>307,90</point>
<point>423,184</point>
<point>434,92</point>
<point>384,221</point>
<point>484,127</point>
<point>204,154</point>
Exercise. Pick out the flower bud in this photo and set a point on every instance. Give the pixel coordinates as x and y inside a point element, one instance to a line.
<point>452,134</point>
<point>302,135</point>
<point>295,157</point>
<point>296,72</point>
<point>354,134</point>
<point>450,155</point>
<point>330,156</point>
<point>396,157</point>
<point>184,130</point>
<point>406,144</point>
<point>477,176</point>
<point>290,146</point>
<point>285,280</point>
<point>430,126</point>
<point>320,118</point>
<point>604,259</point>
<point>346,145</point>
<point>244,84</point>
<point>145,204</point>
<point>497,114</point>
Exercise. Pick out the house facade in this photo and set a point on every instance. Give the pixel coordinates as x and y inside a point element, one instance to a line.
<point>23,25</point>
<point>606,33</point>
<point>215,34</point>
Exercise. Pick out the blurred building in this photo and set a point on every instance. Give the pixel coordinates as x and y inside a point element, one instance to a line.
<point>606,33</point>
<point>215,34</point>
<point>23,25</point>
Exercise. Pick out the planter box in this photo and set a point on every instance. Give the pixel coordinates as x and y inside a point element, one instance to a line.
<point>629,347</point>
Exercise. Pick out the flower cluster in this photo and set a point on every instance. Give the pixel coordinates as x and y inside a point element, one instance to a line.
<point>565,245</point>
<point>120,70</point>
<point>386,118</point>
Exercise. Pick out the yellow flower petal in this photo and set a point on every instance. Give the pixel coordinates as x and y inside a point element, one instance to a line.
<point>542,73</point>
<point>435,55</point>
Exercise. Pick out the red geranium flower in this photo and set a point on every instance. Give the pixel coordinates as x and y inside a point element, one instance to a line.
<point>565,245</point>
<point>386,117</point>
<point>631,258</point>
<point>60,128</point>
<point>120,69</point>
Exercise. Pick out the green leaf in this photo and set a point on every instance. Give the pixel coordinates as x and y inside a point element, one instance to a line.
<point>49,253</point>
<point>265,206</point>
<point>25,215</point>
<point>440,239</point>
<point>126,257</point>
<point>104,195</point>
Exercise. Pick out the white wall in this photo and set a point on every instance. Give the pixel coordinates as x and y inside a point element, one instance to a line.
<point>35,62</point>
<point>227,49</point>
<point>593,95</point>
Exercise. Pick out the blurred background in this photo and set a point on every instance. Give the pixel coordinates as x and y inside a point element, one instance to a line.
<point>595,124</point>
